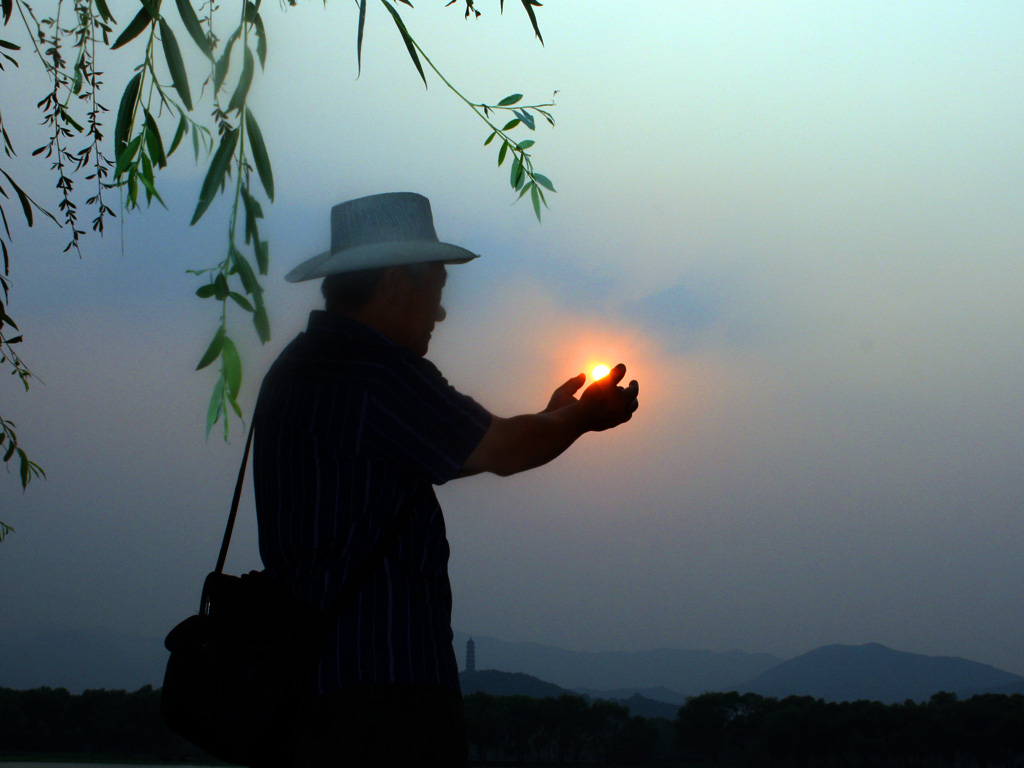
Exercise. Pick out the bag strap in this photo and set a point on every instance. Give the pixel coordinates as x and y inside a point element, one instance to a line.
<point>234,504</point>
<point>363,571</point>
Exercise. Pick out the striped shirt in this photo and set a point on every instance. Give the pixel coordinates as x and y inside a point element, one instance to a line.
<point>349,426</point>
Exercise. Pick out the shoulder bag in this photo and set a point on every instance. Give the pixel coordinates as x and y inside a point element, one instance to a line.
<point>242,670</point>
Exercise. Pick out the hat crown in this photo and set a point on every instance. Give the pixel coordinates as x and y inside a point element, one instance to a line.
<point>386,230</point>
<point>384,218</point>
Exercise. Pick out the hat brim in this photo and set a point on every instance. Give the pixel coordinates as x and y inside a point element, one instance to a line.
<point>372,255</point>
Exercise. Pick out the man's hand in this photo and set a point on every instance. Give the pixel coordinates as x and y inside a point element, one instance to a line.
<point>524,442</point>
<point>564,395</point>
<point>606,404</point>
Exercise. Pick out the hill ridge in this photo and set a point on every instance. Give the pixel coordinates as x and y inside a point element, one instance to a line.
<point>872,671</point>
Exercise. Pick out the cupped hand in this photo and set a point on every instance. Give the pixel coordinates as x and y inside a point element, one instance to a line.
<point>609,404</point>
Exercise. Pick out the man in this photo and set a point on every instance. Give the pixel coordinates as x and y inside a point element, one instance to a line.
<point>353,428</point>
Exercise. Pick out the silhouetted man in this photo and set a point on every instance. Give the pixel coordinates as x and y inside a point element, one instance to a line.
<point>353,429</point>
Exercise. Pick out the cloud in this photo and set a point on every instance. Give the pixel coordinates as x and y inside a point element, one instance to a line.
<point>680,315</point>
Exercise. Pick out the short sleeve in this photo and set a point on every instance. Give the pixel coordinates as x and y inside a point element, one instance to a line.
<point>415,417</point>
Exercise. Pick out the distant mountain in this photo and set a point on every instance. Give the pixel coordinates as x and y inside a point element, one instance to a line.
<point>660,694</point>
<point>78,660</point>
<point>507,684</point>
<point>498,683</point>
<point>683,672</point>
<point>645,707</point>
<point>877,673</point>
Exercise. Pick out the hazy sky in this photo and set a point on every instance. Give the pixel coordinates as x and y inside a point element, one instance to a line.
<point>798,224</point>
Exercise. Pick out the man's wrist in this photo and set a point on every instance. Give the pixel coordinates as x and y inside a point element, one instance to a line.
<point>576,417</point>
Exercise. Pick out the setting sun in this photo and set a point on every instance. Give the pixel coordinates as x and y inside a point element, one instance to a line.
<point>600,371</point>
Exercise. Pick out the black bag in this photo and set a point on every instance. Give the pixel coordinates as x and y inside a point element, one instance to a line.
<point>243,669</point>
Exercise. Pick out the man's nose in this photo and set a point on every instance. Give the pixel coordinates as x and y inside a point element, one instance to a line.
<point>441,314</point>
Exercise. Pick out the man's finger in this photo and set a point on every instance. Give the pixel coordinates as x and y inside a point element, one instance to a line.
<point>632,389</point>
<point>615,374</point>
<point>573,384</point>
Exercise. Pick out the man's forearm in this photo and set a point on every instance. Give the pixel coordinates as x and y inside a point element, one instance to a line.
<point>537,438</point>
<point>523,442</point>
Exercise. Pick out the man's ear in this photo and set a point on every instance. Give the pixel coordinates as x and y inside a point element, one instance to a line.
<point>391,283</point>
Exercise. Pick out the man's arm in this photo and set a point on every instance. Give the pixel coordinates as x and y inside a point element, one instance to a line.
<point>531,440</point>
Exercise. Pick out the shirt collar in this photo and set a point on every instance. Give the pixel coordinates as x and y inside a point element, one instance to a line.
<point>322,321</point>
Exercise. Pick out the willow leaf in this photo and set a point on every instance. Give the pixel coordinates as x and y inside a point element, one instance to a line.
<point>26,201</point>
<point>123,125</point>
<point>220,71</point>
<point>528,5</point>
<point>178,134</point>
<point>544,181</point>
<point>154,143</point>
<point>234,407</point>
<point>175,64</point>
<point>359,37</point>
<point>241,301</point>
<point>262,255</point>
<point>250,282</point>
<point>215,175</point>
<point>23,468</point>
<point>127,155</point>
<point>101,6</point>
<point>135,28</point>
<point>410,44</point>
<point>526,117</point>
<point>259,154</point>
<point>216,405</point>
<point>242,89</point>
<point>261,41</point>
<point>194,28</point>
<point>232,366</point>
<point>213,351</point>
<point>262,324</point>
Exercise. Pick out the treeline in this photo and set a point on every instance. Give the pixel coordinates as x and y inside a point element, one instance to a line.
<point>97,724</point>
<point>984,731</point>
<point>567,729</point>
<point>753,731</point>
<point>715,728</point>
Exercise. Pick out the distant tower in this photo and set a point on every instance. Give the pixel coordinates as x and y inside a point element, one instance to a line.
<point>470,655</point>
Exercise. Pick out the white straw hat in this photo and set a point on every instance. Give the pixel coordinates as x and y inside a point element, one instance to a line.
<point>385,230</point>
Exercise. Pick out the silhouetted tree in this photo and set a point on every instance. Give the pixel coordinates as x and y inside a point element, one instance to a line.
<point>635,743</point>
<point>114,724</point>
<point>704,723</point>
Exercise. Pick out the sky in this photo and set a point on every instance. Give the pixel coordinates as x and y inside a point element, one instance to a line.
<point>798,224</point>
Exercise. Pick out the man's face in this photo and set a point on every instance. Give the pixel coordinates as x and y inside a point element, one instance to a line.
<point>421,306</point>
